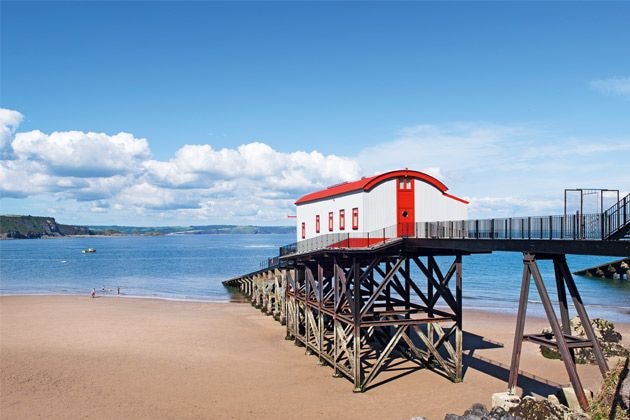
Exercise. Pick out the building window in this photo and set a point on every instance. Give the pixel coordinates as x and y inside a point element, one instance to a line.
<point>404,184</point>
<point>303,230</point>
<point>355,218</point>
<point>342,219</point>
<point>317,224</point>
<point>330,221</point>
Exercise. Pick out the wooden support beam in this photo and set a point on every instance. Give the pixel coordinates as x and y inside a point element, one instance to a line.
<point>562,340</point>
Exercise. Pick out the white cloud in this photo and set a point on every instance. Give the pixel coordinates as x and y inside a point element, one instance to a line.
<point>115,173</point>
<point>9,121</point>
<point>75,153</point>
<point>619,86</point>
<point>200,165</point>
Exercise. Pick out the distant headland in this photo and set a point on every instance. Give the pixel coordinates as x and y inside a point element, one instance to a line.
<point>36,227</point>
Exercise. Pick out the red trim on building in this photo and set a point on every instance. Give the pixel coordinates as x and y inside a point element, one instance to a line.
<point>342,219</point>
<point>355,218</point>
<point>331,220</point>
<point>461,200</point>
<point>358,242</point>
<point>317,223</point>
<point>366,184</point>
<point>303,230</point>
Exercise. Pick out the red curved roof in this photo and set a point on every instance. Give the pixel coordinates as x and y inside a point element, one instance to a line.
<point>366,184</point>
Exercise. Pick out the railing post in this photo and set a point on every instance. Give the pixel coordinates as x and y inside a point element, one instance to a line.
<point>510,228</point>
<point>477,229</point>
<point>550,227</point>
<point>491,228</point>
<point>529,228</point>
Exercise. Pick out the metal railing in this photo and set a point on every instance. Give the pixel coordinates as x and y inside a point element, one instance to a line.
<point>616,218</point>
<point>572,227</point>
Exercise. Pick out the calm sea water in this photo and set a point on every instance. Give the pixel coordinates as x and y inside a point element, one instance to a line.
<point>193,267</point>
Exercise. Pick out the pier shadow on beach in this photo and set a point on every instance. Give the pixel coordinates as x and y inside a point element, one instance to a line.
<point>529,383</point>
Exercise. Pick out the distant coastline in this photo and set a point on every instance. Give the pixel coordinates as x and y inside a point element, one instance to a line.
<point>41,227</point>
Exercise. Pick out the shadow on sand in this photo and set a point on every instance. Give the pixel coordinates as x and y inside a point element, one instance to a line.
<point>530,384</point>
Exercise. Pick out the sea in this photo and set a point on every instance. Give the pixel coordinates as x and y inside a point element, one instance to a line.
<point>193,267</point>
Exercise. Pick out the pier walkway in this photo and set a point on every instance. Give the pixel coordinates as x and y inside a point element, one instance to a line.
<point>361,301</point>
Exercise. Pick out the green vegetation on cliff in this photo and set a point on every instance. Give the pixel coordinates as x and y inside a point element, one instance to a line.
<point>31,227</point>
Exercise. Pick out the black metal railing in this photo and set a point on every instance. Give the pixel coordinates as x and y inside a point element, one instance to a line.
<point>571,227</point>
<point>616,219</point>
<point>577,226</point>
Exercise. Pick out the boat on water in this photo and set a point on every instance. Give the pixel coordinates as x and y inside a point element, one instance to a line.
<point>88,250</point>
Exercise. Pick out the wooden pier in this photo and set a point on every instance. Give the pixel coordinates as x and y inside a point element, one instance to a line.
<point>363,310</point>
<point>359,310</point>
<point>361,302</point>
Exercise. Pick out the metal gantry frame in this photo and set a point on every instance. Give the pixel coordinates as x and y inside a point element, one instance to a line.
<point>561,337</point>
<point>599,192</point>
<point>358,313</point>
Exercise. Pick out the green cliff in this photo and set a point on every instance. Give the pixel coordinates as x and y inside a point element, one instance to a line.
<point>32,227</point>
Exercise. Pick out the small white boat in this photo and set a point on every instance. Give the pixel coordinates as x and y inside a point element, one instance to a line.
<point>88,250</point>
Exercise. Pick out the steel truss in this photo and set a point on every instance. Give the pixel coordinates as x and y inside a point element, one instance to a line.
<point>560,338</point>
<point>359,314</point>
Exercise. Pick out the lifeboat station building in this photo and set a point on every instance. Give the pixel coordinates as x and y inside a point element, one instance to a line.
<point>372,209</point>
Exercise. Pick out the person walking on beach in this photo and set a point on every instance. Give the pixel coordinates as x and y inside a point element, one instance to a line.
<point>93,293</point>
<point>118,290</point>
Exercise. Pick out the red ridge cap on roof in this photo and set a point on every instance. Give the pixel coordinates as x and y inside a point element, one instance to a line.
<point>461,200</point>
<point>366,184</point>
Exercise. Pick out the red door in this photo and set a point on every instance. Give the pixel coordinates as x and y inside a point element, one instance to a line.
<point>406,218</point>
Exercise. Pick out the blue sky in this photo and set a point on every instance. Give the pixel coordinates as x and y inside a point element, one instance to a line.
<point>230,111</point>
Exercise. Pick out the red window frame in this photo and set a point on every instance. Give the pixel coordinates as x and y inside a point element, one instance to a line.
<point>355,218</point>
<point>317,223</point>
<point>342,219</point>
<point>330,221</point>
<point>303,230</point>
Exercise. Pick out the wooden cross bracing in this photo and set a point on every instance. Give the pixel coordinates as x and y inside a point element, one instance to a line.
<point>360,315</point>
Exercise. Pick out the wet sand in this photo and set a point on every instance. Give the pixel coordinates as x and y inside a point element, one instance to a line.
<point>109,358</point>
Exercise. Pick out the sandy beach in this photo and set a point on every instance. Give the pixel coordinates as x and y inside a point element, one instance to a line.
<point>111,358</point>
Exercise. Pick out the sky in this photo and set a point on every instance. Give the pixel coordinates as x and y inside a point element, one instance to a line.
<point>192,113</point>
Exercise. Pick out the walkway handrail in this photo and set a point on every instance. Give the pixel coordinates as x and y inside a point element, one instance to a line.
<point>572,227</point>
<point>616,218</point>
